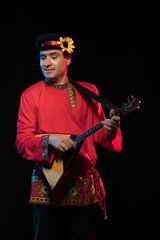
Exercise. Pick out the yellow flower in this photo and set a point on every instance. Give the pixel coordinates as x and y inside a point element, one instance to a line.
<point>66,44</point>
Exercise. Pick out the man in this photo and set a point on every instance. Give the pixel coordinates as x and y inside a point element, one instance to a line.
<point>49,111</point>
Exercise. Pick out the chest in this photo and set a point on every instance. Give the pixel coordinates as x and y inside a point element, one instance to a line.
<point>56,113</point>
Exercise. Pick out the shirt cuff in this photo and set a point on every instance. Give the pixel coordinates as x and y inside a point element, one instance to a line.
<point>48,151</point>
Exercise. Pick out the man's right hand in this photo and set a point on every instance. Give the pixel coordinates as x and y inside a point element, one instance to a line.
<point>61,142</point>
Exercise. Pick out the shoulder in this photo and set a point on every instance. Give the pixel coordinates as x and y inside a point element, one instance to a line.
<point>34,89</point>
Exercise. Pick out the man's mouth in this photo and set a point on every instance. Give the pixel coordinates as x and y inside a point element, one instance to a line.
<point>49,70</point>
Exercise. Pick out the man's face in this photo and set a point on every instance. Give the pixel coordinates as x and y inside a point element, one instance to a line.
<point>53,63</point>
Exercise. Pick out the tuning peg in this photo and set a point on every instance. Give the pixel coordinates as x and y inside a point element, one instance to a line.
<point>139,103</point>
<point>130,98</point>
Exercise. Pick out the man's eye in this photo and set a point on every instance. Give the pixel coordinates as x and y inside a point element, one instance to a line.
<point>54,57</point>
<point>42,57</point>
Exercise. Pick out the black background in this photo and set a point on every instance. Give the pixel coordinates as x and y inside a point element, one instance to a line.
<point>115,50</point>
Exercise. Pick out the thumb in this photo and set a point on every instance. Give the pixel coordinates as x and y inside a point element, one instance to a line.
<point>112,112</point>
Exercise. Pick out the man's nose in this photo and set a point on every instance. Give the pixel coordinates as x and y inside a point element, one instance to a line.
<point>48,61</point>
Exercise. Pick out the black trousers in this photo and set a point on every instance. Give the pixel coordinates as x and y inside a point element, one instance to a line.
<point>64,223</point>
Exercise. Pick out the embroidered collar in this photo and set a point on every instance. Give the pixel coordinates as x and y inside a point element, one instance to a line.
<point>71,91</point>
<point>65,85</point>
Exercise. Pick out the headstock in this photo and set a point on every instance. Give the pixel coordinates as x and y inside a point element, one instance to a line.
<point>131,105</point>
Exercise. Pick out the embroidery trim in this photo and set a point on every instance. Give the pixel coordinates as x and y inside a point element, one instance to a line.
<point>59,86</point>
<point>72,192</point>
<point>44,146</point>
<point>71,91</point>
<point>72,97</point>
<point>76,191</point>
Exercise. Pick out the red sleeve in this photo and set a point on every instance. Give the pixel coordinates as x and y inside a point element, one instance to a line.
<point>29,145</point>
<point>112,142</point>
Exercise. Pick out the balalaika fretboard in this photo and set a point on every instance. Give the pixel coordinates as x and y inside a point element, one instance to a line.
<point>87,133</point>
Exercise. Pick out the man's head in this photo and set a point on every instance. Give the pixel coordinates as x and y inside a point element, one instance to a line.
<point>54,63</point>
<point>55,54</point>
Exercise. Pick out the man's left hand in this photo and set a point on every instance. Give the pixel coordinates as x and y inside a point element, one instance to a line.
<point>113,123</point>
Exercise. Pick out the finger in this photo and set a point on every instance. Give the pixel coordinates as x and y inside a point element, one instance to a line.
<point>67,142</point>
<point>67,145</point>
<point>110,123</point>
<point>61,149</point>
<point>75,146</point>
<point>112,112</point>
<point>107,128</point>
<point>64,149</point>
<point>116,118</point>
<point>115,123</point>
<point>70,142</point>
<point>63,146</point>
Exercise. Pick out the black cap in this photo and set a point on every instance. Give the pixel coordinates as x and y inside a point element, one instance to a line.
<point>47,41</point>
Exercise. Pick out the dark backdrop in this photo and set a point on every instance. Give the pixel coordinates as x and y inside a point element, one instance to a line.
<point>115,50</point>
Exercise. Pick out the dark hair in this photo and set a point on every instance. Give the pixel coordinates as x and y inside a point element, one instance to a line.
<point>66,54</point>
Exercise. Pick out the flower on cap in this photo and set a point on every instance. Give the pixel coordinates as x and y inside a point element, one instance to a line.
<point>66,44</point>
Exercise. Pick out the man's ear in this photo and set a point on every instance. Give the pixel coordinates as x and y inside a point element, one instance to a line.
<point>68,60</point>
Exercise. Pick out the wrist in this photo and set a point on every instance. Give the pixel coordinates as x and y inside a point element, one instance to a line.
<point>49,139</point>
<point>113,133</point>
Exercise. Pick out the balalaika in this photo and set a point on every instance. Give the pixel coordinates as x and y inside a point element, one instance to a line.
<point>56,171</point>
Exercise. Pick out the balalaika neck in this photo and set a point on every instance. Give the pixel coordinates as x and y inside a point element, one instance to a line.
<point>87,133</point>
<point>92,130</point>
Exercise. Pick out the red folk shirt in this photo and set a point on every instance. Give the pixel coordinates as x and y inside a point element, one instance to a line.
<point>63,109</point>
